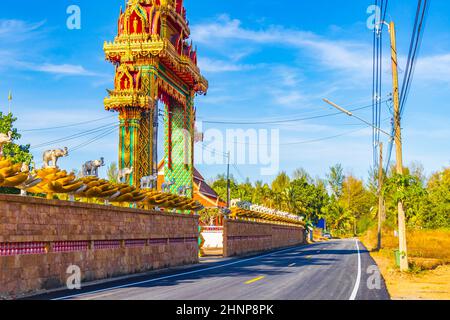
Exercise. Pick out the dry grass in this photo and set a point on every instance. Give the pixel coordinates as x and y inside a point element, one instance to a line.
<point>427,249</point>
<point>425,285</point>
<point>429,255</point>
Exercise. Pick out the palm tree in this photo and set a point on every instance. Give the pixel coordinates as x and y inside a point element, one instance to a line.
<point>267,196</point>
<point>278,200</point>
<point>112,172</point>
<point>336,179</point>
<point>257,192</point>
<point>290,199</point>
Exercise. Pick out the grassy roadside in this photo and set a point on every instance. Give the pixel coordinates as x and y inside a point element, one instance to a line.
<point>429,255</point>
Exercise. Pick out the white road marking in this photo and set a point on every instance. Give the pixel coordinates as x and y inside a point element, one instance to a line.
<point>358,276</point>
<point>173,275</point>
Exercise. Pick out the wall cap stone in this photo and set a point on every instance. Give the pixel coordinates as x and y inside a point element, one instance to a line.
<point>82,205</point>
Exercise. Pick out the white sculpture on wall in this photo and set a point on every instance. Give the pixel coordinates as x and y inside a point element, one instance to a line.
<point>90,168</point>
<point>53,156</point>
<point>4,139</point>
<point>148,182</point>
<point>123,174</point>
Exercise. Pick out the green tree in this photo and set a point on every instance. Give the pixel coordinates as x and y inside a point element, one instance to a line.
<point>339,221</point>
<point>220,186</point>
<point>245,191</point>
<point>112,172</point>
<point>291,201</point>
<point>300,174</point>
<point>257,196</point>
<point>279,185</point>
<point>411,191</point>
<point>336,179</point>
<point>437,210</point>
<point>17,153</point>
<point>355,199</point>
<point>267,196</point>
<point>281,182</point>
<point>209,215</point>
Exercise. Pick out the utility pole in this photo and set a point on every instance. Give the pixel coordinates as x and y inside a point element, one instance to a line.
<point>228,180</point>
<point>380,196</point>
<point>398,148</point>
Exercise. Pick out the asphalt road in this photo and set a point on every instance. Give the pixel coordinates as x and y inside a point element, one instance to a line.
<point>334,270</point>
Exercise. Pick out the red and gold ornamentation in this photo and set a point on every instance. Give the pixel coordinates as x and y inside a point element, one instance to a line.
<point>154,62</point>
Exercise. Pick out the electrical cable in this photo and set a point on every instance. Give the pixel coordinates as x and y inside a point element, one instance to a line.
<point>415,44</point>
<point>67,126</point>
<point>75,136</point>
<point>287,120</point>
<point>96,138</point>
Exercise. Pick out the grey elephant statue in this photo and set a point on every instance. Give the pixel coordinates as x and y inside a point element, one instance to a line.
<point>148,181</point>
<point>182,191</point>
<point>53,156</point>
<point>90,168</point>
<point>166,185</point>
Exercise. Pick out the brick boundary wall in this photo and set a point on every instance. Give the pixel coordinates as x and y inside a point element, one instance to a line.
<point>40,239</point>
<point>245,237</point>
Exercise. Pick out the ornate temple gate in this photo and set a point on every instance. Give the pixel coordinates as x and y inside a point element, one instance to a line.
<point>154,62</point>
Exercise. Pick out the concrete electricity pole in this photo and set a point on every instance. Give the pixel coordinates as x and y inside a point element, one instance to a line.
<point>380,196</point>
<point>398,148</point>
<point>398,144</point>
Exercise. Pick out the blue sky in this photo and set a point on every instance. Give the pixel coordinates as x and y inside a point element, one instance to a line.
<point>264,60</point>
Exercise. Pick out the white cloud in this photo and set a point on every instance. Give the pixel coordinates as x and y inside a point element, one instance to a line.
<point>434,68</point>
<point>339,55</point>
<point>354,58</point>
<point>15,37</point>
<point>18,30</point>
<point>214,66</point>
<point>63,69</point>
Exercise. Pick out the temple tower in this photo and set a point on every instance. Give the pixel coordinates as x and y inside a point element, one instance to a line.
<point>155,63</point>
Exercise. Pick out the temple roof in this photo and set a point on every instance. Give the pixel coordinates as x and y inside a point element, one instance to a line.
<point>153,35</point>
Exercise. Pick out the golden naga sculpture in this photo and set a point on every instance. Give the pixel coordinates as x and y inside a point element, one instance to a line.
<point>112,192</point>
<point>13,175</point>
<point>171,201</point>
<point>266,215</point>
<point>53,181</point>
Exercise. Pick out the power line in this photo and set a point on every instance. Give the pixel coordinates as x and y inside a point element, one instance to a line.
<point>416,41</point>
<point>275,118</point>
<point>96,138</point>
<point>311,141</point>
<point>239,172</point>
<point>75,136</point>
<point>67,126</point>
<point>377,77</point>
<point>287,120</point>
<point>414,48</point>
